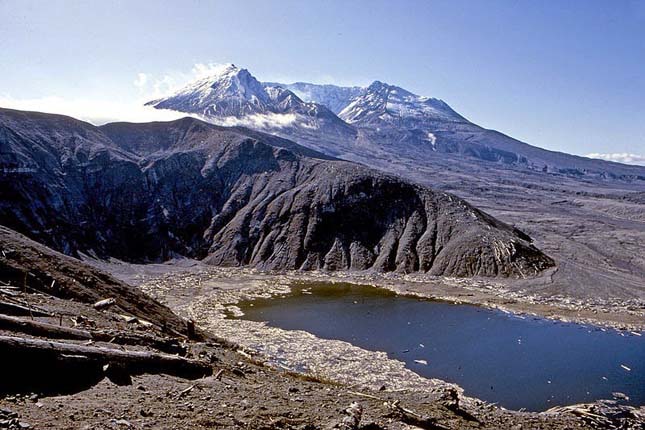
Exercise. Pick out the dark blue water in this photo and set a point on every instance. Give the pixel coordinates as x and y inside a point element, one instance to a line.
<point>519,363</point>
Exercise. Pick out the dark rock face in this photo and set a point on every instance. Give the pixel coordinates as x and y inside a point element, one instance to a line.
<point>148,192</point>
<point>342,216</point>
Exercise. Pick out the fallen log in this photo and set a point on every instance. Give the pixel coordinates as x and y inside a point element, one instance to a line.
<point>9,292</point>
<point>16,309</point>
<point>131,362</point>
<point>164,344</point>
<point>37,328</point>
<point>42,329</point>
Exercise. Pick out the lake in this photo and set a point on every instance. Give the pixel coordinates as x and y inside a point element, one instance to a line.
<point>517,362</point>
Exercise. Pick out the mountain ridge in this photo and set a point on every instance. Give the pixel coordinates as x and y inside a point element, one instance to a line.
<point>237,199</point>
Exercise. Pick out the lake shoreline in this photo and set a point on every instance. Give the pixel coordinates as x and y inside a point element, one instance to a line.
<point>521,297</point>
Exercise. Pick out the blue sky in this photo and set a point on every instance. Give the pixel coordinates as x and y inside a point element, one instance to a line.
<point>563,75</point>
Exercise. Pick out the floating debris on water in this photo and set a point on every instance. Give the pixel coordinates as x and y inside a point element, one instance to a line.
<point>620,396</point>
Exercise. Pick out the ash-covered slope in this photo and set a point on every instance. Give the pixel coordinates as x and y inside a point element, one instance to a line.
<point>60,276</point>
<point>148,192</point>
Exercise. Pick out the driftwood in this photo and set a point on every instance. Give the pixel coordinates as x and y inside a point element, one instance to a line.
<point>37,328</point>
<point>367,396</point>
<point>16,309</point>
<point>130,362</point>
<point>605,414</point>
<point>105,303</point>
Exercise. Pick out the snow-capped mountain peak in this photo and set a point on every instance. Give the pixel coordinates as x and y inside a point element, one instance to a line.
<point>378,104</point>
<point>231,96</point>
<point>228,91</point>
<point>384,103</point>
<point>327,117</point>
<point>226,81</point>
<point>232,92</point>
<point>233,81</point>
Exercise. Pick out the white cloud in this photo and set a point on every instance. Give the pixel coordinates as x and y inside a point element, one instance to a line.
<point>103,110</point>
<point>162,87</point>
<point>155,86</point>
<point>203,70</point>
<point>95,111</point>
<point>620,157</point>
<point>258,121</point>
<point>141,81</point>
<point>151,87</point>
<point>100,111</point>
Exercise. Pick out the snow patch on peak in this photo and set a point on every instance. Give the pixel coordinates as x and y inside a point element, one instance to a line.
<point>211,70</point>
<point>225,79</point>
<point>333,97</point>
